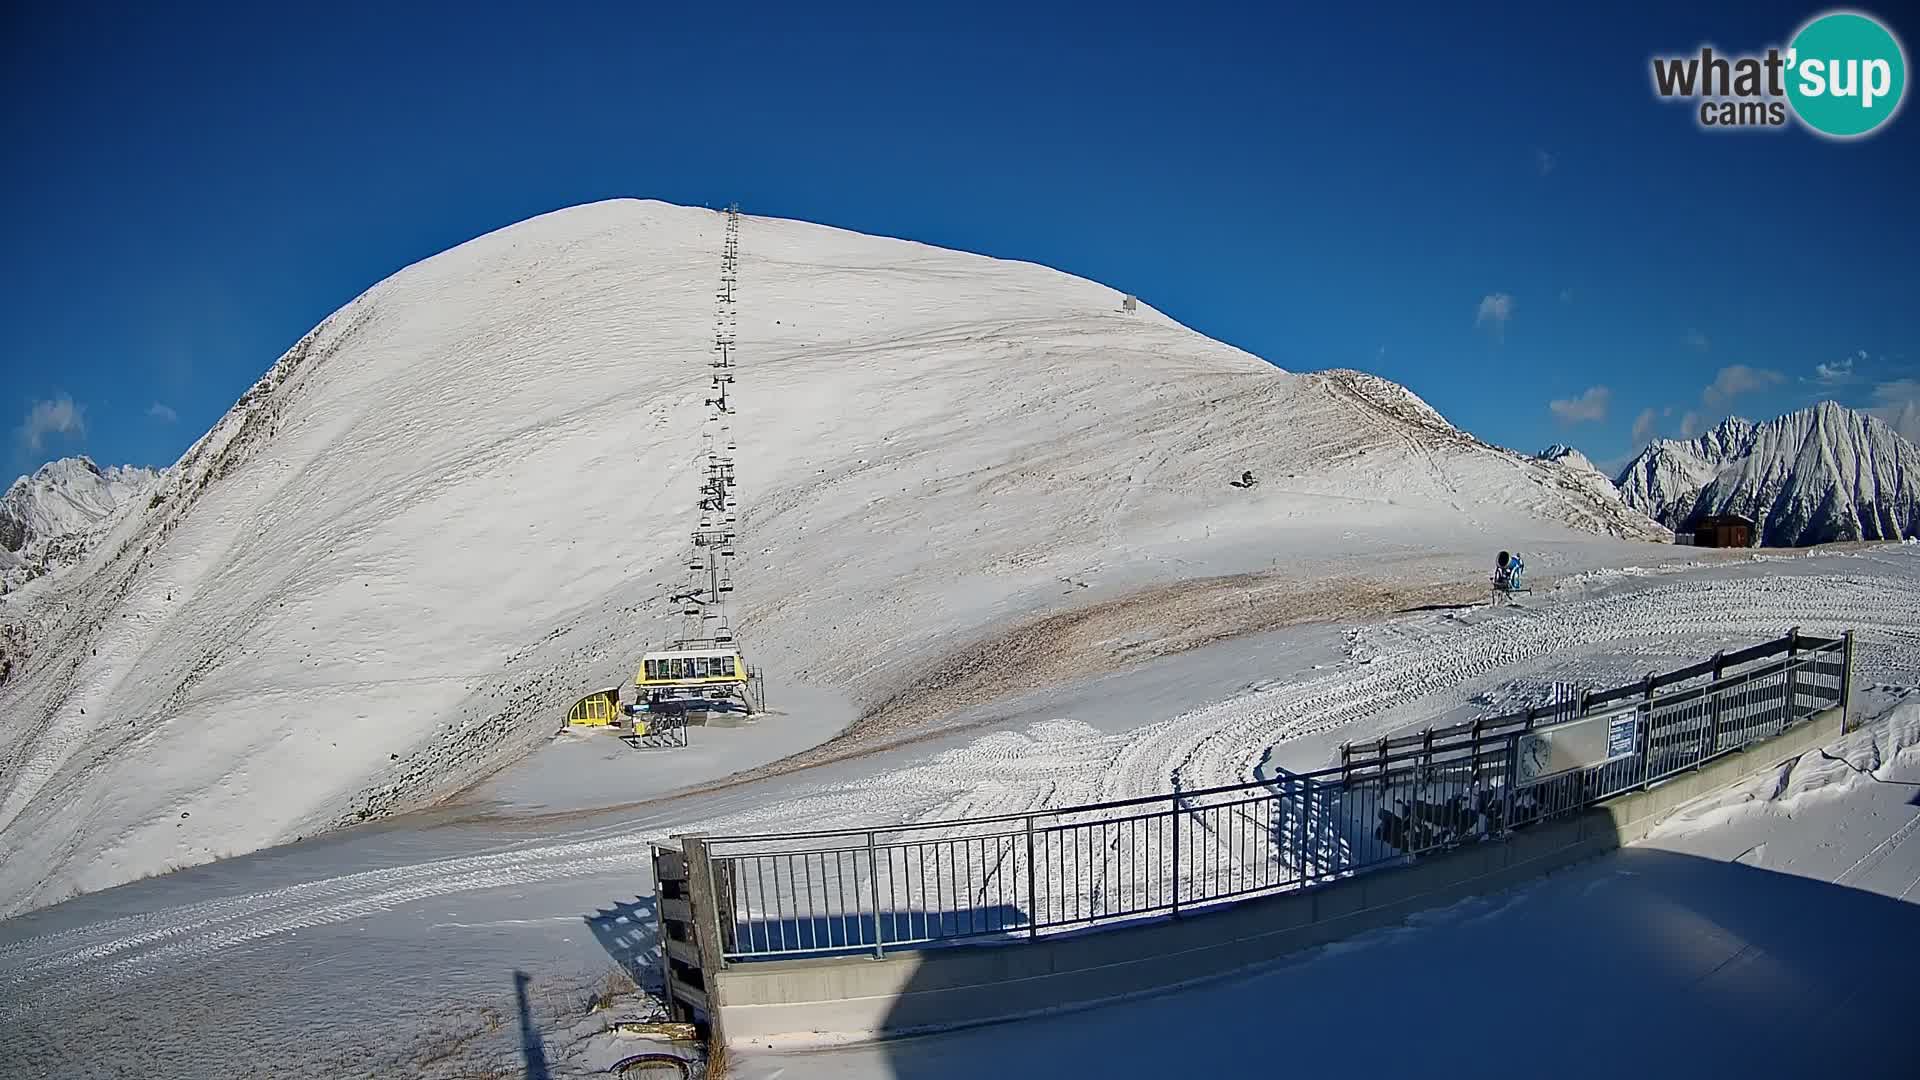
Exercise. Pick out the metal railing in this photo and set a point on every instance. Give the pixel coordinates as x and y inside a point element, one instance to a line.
<point>1014,875</point>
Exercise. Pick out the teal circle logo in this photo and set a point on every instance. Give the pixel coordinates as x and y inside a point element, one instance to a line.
<point>1846,74</point>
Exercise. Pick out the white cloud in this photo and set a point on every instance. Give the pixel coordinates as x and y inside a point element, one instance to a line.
<point>57,417</point>
<point>1903,418</point>
<point>1897,392</point>
<point>1589,406</point>
<point>1839,372</point>
<point>1898,403</point>
<point>1698,340</point>
<point>1495,310</point>
<point>1728,383</point>
<point>1737,379</point>
<point>1645,427</point>
<point>1543,162</point>
<point>163,413</point>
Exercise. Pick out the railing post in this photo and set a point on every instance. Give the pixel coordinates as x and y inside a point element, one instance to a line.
<point>1713,708</point>
<point>1793,676</point>
<point>1302,798</point>
<point>873,890</point>
<point>1033,909</point>
<point>1846,681</point>
<point>1473,775</point>
<point>1174,799</point>
<point>1513,779</point>
<point>1646,734</point>
<point>1423,775</point>
<point>709,939</point>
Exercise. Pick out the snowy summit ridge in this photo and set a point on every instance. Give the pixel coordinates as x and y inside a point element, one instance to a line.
<point>1822,474</point>
<point>1566,455</point>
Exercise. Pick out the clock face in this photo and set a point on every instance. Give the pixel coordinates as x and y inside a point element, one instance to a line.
<point>1534,755</point>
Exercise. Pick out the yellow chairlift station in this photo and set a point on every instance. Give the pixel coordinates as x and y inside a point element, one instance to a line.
<point>690,669</point>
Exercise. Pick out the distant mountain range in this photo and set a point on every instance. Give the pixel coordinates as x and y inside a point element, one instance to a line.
<point>47,519</point>
<point>1821,474</point>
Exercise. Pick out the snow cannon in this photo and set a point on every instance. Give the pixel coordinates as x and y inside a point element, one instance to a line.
<point>1507,577</point>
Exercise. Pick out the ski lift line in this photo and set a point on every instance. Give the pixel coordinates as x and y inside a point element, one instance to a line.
<point>711,558</point>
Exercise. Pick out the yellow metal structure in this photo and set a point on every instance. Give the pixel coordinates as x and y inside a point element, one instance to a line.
<point>598,709</point>
<point>690,668</point>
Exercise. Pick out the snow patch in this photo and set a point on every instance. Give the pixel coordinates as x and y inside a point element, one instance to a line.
<point>1865,756</point>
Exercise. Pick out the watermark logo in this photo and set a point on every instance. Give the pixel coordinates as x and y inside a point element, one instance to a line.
<point>1843,75</point>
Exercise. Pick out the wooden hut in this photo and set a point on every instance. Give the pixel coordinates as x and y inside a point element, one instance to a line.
<point>1723,530</point>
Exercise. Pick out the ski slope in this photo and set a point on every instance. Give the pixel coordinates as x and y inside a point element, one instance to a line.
<point>460,502</point>
<point>416,926</point>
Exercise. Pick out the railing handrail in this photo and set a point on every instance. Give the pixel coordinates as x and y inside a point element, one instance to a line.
<point>1482,733</point>
<point>1494,725</point>
<point>906,885</point>
<point>947,823</point>
<point>1493,732</point>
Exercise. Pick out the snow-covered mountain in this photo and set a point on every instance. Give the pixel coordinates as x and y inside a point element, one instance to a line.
<point>463,500</point>
<point>49,519</point>
<point>1821,474</point>
<point>1563,454</point>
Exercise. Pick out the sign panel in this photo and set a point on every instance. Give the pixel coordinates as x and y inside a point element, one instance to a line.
<point>1577,744</point>
<point>1623,734</point>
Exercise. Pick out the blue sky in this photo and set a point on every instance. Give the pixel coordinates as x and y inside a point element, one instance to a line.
<point>1484,203</point>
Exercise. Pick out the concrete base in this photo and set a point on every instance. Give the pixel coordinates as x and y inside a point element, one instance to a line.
<point>858,997</point>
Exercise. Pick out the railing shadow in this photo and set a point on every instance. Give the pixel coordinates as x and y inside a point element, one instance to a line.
<point>798,937</point>
<point>1713,968</point>
<point>1324,828</point>
<point>630,933</point>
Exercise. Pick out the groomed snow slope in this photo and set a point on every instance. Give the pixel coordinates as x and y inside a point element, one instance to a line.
<point>409,933</point>
<point>457,504</point>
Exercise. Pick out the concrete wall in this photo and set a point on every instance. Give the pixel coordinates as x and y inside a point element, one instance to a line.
<point>859,997</point>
